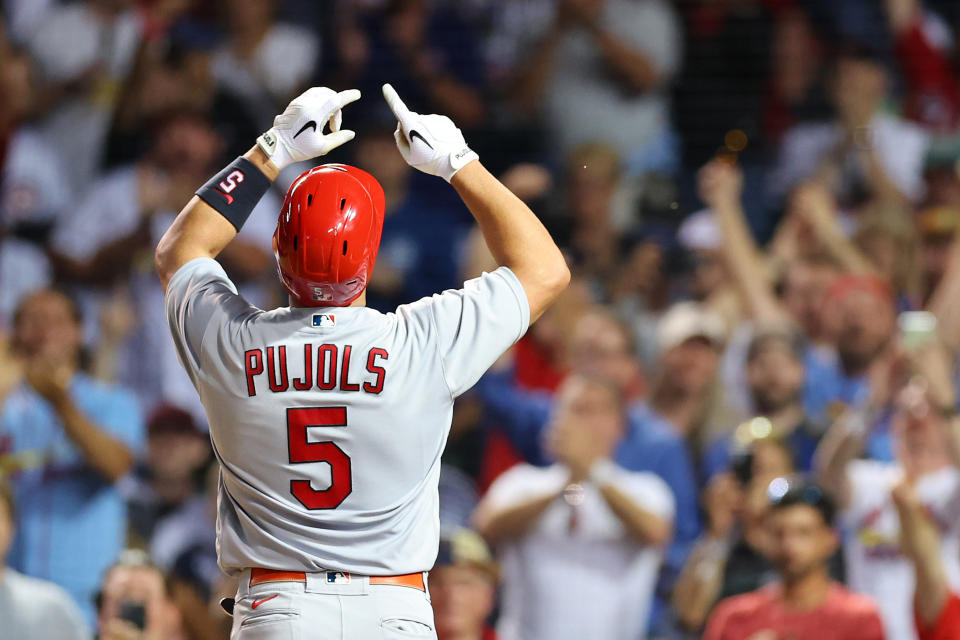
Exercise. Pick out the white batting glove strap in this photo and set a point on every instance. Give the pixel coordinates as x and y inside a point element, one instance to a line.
<point>298,133</point>
<point>430,143</point>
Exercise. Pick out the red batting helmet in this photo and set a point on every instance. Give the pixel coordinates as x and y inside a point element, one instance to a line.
<point>328,235</point>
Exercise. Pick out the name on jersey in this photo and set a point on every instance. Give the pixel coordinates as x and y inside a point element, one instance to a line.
<point>325,367</point>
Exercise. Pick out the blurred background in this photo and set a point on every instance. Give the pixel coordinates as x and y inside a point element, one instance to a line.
<point>759,201</point>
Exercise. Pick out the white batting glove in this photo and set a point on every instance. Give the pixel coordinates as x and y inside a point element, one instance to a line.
<point>297,133</point>
<point>432,144</point>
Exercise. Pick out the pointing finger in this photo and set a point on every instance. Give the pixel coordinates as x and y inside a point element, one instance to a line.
<point>346,97</point>
<point>395,103</point>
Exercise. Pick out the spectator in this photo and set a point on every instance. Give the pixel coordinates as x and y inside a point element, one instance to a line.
<point>875,563</point>
<point>263,62</point>
<point>806,604</point>
<point>585,506</point>
<point>24,16</point>
<point>861,312</point>
<point>119,222</point>
<point>169,477</point>
<point>32,191</point>
<point>32,608</point>
<point>933,92</point>
<point>731,557</point>
<point>775,376</point>
<point>863,153</point>
<point>853,321</point>
<point>602,346</point>
<point>133,603</point>
<point>599,70</point>
<point>462,587</point>
<point>690,338</point>
<point>177,76</point>
<point>936,609</point>
<point>429,52</point>
<point>593,235</point>
<point>70,440</point>
<point>185,545</point>
<point>804,285</point>
<point>84,51</point>
<point>795,86</point>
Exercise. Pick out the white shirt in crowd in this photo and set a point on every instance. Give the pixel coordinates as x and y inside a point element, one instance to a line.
<point>577,573</point>
<point>23,17</point>
<point>874,564</point>
<point>38,610</point>
<point>900,147</point>
<point>280,67</point>
<point>111,210</point>
<point>32,191</point>
<point>583,102</point>
<point>70,41</point>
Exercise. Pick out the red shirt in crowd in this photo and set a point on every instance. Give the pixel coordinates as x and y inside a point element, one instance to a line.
<point>947,626</point>
<point>844,615</point>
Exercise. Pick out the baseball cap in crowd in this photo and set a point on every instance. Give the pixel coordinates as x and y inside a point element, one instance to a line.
<point>865,283</point>
<point>463,547</point>
<point>686,320</point>
<point>170,419</point>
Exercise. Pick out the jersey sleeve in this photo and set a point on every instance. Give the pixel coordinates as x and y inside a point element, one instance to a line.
<point>472,327</point>
<point>201,297</point>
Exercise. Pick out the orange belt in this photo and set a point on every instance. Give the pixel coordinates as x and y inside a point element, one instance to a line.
<point>260,576</point>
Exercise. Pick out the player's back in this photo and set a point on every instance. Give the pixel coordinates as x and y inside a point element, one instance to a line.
<point>329,423</point>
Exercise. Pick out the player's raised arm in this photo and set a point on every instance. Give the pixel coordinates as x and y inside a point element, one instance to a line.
<point>517,239</point>
<point>214,215</point>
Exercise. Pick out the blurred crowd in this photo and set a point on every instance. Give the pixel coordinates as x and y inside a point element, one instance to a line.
<point>739,421</point>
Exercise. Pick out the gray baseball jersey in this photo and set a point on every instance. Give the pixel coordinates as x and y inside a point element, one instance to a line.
<point>329,422</point>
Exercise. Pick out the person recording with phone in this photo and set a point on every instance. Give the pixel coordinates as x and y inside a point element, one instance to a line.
<point>134,604</point>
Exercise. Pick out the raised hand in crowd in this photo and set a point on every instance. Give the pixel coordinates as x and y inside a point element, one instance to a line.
<point>721,500</point>
<point>574,444</point>
<point>920,542</point>
<point>720,185</point>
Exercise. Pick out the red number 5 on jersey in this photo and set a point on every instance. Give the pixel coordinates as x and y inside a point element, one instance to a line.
<point>303,451</point>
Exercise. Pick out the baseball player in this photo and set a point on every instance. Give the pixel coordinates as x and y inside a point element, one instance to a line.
<point>329,418</point>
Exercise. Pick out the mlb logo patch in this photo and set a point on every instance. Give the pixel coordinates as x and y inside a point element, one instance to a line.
<point>338,577</point>
<point>324,320</point>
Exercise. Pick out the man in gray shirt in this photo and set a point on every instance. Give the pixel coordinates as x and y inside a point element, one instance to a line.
<point>32,608</point>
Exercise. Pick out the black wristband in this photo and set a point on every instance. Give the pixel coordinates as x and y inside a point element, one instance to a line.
<point>235,191</point>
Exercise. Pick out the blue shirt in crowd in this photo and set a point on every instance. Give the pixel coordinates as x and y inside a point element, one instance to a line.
<point>827,384</point>
<point>649,444</point>
<point>71,521</point>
